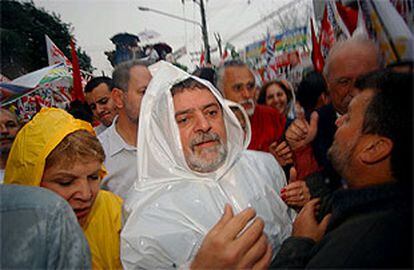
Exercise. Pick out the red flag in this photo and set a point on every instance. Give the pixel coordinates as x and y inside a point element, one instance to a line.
<point>349,16</point>
<point>77,92</point>
<point>202,59</point>
<point>317,58</point>
<point>326,34</point>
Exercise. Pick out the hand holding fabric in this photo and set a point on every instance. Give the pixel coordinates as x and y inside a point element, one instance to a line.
<point>306,225</point>
<point>228,245</point>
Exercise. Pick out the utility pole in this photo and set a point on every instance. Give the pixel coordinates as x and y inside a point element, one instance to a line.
<point>204,32</point>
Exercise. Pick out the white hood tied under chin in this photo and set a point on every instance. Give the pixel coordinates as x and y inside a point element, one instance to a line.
<point>171,207</point>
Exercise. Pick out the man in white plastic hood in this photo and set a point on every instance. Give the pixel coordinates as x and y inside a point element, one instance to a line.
<point>192,161</point>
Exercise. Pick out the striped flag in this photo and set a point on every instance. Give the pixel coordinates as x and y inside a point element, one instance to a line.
<point>54,54</point>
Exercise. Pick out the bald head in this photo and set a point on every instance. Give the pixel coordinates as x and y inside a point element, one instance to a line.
<point>346,61</point>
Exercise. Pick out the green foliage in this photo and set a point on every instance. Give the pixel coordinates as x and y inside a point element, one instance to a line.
<point>22,38</point>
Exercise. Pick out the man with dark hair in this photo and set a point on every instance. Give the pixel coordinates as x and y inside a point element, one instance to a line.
<point>130,80</point>
<point>347,60</point>
<point>371,221</point>
<point>312,93</point>
<point>39,230</point>
<point>98,97</point>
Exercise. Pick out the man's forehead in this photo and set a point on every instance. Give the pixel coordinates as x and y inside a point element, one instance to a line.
<point>361,99</point>
<point>139,70</point>
<point>184,99</point>
<point>100,90</point>
<point>239,73</point>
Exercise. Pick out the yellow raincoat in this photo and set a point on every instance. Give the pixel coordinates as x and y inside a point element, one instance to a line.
<point>26,164</point>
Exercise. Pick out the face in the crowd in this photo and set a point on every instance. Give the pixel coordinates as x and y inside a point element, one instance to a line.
<point>344,148</point>
<point>345,67</point>
<point>78,185</point>
<point>202,132</point>
<point>8,129</point>
<point>140,77</point>
<point>101,104</point>
<point>276,97</point>
<point>239,86</point>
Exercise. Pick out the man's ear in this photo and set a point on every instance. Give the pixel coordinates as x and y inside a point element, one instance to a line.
<point>376,149</point>
<point>117,97</point>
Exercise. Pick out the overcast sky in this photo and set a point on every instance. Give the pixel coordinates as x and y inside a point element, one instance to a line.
<point>96,21</point>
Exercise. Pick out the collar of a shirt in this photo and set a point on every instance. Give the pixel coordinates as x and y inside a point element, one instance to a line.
<point>116,143</point>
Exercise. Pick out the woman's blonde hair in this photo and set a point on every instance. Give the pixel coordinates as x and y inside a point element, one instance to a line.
<point>80,145</point>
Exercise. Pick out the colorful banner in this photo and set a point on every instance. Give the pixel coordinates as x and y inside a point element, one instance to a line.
<point>389,29</point>
<point>291,39</point>
<point>47,87</point>
<point>276,56</point>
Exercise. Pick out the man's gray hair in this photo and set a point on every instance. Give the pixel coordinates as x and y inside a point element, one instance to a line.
<point>222,69</point>
<point>363,41</point>
<point>120,75</point>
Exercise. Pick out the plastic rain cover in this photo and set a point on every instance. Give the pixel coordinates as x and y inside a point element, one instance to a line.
<point>171,208</point>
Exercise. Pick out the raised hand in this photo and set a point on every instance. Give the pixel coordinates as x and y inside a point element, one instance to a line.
<point>296,193</point>
<point>300,132</point>
<point>282,153</point>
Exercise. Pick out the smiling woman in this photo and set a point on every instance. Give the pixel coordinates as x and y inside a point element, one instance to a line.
<point>62,154</point>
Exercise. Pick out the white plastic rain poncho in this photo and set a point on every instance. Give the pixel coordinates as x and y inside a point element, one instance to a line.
<point>171,208</point>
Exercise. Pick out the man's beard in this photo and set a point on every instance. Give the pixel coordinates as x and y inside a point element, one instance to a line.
<point>341,158</point>
<point>250,101</point>
<point>201,164</point>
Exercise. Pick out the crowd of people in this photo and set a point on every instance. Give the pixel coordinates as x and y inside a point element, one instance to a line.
<point>208,171</point>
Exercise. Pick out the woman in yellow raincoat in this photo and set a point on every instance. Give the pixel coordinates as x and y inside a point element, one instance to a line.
<point>61,153</point>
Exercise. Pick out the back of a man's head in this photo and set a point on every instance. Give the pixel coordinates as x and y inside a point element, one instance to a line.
<point>310,90</point>
<point>358,46</point>
<point>390,114</point>
<point>121,74</point>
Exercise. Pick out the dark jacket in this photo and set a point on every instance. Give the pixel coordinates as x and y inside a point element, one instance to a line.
<point>369,228</point>
<point>323,141</point>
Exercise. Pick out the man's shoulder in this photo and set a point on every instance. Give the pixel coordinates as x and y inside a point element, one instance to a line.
<point>106,134</point>
<point>256,155</point>
<point>266,110</point>
<point>22,197</point>
<point>99,129</point>
<point>259,160</point>
<point>327,111</point>
<point>267,116</point>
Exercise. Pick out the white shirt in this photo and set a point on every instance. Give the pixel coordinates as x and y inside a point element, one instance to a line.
<point>120,162</point>
<point>99,129</point>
